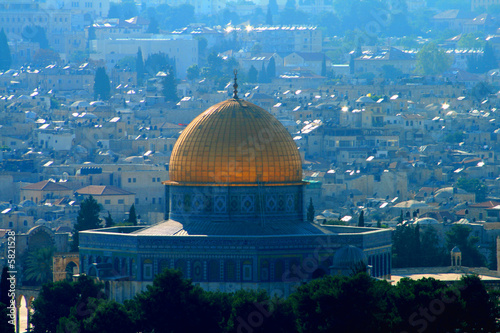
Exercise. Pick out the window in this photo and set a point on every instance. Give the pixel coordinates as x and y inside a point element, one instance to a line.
<point>247,270</point>
<point>154,179</point>
<point>136,201</point>
<point>148,269</point>
<point>154,201</point>
<point>158,179</point>
<point>133,180</point>
<point>129,180</point>
<point>121,201</point>
<point>107,202</point>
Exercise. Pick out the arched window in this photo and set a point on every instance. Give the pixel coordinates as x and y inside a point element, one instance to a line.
<point>247,270</point>
<point>147,269</point>
<point>279,269</point>
<point>230,269</point>
<point>213,271</point>
<point>264,270</point>
<point>197,271</point>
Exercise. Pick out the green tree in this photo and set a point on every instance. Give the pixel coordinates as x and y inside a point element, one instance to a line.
<point>88,218</point>
<point>406,246</point>
<point>4,287</point>
<point>109,317</point>
<point>431,254</point>
<point>6,320</point>
<point>102,87</point>
<point>412,299</point>
<point>271,68</point>
<point>157,62</point>
<point>38,266</point>
<point>489,59</point>
<point>455,137</point>
<point>473,40</point>
<point>36,34</point>
<point>343,304</point>
<point>273,6</point>
<point>139,67</point>
<point>389,72</point>
<point>108,221</point>
<point>361,220</point>
<point>432,61</point>
<point>5,56</point>
<point>187,306</point>
<point>169,86</point>
<point>459,235</point>
<point>473,185</point>
<point>269,15</point>
<point>310,211</point>
<point>153,27</point>
<point>202,50</point>
<point>481,309</point>
<point>124,9</point>
<point>132,218</point>
<point>56,301</point>
<point>252,74</point>
<point>193,72</point>
<point>481,91</point>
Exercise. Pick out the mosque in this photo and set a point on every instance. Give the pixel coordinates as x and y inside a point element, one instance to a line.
<point>235,216</point>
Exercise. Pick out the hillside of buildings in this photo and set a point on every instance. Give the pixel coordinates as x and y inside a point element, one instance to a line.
<point>393,108</point>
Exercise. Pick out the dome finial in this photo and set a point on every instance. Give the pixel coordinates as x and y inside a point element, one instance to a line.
<point>235,85</point>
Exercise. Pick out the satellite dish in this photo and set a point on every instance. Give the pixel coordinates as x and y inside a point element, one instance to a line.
<point>65,176</point>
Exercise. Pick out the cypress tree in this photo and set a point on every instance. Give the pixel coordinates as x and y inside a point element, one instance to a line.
<point>4,286</point>
<point>269,16</point>
<point>139,67</point>
<point>169,88</point>
<point>132,217</point>
<point>489,60</point>
<point>102,87</point>
<point>361,220</point>
<point>5,56</point>
<point>271,68</point>
<point>252,74</point>
<point>310,211</point>
<point>262,74</point>
<point>108,221</point>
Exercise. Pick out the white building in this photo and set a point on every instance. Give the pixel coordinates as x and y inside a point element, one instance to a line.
<point>183,50</point>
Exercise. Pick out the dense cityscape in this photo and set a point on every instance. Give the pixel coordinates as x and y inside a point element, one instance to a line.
<point>249,166</point>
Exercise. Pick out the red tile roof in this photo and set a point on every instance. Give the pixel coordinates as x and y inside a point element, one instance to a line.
<point>46,185</point>
<point>99,190</point>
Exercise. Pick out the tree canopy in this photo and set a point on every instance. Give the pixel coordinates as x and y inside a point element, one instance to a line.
<point>58,300</point>
<point>330,303</point>
<point>460,235</point>
<point>473,185</point>
<point>431,60</point>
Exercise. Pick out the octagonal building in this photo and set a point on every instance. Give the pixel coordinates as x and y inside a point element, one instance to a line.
<point>235,215</point>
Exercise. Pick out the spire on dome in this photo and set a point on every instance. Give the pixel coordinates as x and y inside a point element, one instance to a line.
<point>235,85</point>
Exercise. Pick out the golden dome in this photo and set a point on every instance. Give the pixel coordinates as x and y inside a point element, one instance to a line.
<point>235,143</point>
